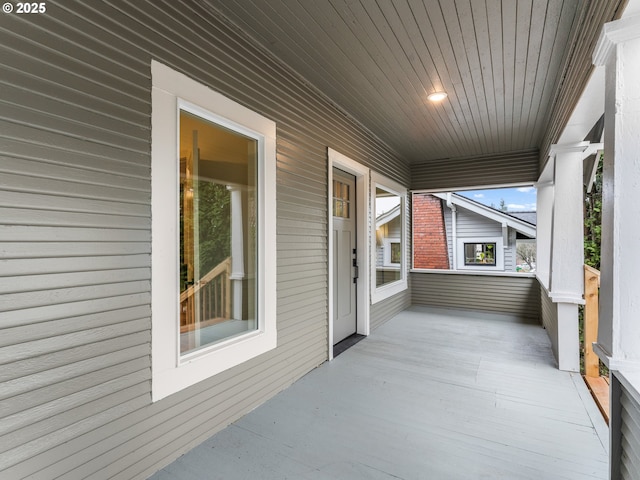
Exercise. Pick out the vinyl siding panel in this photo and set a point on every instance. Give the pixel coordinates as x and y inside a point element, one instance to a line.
<point>382,312</point>
<point>472,225</point>
<point>630,436</point>
<point>512,295</point>
<point>483,171</point>
<point>75,376</point>
<point>549,312</point>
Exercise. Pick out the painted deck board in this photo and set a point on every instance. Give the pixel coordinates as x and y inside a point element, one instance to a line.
<point>430,394</point>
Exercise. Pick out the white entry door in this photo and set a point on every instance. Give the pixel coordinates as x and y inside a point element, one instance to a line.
<point>344,255</point>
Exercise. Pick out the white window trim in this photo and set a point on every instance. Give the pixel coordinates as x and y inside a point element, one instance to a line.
<point>390,289</point>
<point>499,266</point>
<point>171,372</point>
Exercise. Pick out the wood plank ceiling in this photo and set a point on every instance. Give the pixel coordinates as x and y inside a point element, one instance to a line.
<point>501,63</point>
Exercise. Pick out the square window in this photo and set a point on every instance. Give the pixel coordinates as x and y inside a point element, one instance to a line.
<point>396,252</point>
<point>480,254</point>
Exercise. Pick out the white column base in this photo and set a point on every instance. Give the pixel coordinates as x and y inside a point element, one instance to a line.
<point>568,341</point>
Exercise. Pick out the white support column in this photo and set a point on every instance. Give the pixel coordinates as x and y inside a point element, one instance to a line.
<point>567,258</point>
<point>619,330</point>
<point>237,251</point>
<point>566,284</point>
<point>618,342</point>
<point>544,226</point>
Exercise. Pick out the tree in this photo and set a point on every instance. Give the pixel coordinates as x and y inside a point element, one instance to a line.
<point>214,224</point>
<point>593,220</point>
<point>592,239</point>
<point>503,206</point>
<point>527,252</point>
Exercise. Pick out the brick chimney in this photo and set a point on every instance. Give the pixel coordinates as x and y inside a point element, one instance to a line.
<point>429,234</point>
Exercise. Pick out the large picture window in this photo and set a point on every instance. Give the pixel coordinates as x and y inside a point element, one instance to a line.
<point>213,232</point>
<point>475,231</point>
<point>218,250</point>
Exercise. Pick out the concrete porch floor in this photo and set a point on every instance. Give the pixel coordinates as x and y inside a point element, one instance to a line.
<point>432,394</point>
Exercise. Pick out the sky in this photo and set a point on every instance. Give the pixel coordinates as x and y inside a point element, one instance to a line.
<point>522,199</point>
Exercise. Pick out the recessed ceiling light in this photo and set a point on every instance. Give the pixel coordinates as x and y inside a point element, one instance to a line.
<point>437,96</point>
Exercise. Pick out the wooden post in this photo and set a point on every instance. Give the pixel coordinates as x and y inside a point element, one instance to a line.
<point>591,285</point>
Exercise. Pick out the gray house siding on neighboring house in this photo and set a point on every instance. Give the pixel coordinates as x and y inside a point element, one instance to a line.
<point>75,233</point>
<point>472,225</point>
<point>391,230</point>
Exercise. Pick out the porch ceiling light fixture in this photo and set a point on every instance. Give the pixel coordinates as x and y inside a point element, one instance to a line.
<point>437,96</point>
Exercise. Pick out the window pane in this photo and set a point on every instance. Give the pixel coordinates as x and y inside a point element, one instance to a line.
<point>395,253</point>
<point>388,225</point>
<point>218,249</point>
<point>480,254</point>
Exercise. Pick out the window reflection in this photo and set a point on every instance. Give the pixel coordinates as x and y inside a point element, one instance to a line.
<point>388,206</point>
<point>218,248</point>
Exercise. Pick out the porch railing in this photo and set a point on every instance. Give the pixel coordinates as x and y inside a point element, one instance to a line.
<point>214,298</point>
<point>598,384</point>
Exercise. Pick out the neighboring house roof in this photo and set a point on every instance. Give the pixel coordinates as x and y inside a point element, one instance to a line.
<point>386,217</point>
<point>529,217</point>
<point>526,228</point>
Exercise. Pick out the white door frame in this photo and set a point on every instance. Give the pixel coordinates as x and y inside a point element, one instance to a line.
<point>362,240</point>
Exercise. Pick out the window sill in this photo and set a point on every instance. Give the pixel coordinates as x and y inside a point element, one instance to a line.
<point>386,291</point>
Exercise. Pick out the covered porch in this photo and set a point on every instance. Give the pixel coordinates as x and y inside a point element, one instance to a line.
<point>93,383</point>
<point>433,393</point>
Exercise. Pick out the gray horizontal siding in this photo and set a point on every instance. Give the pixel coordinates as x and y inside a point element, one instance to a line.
<point>384,311</point>
<point>549,311</point>
<point>458,173</point>
<point>512,295</point>
<point>472,225</point>
<point>75,225</point>
<point>630,436</point>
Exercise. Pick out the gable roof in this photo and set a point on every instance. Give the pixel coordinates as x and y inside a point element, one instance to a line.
<point>529,217</point>
<point>502,218</point>
<point>387,216</point>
